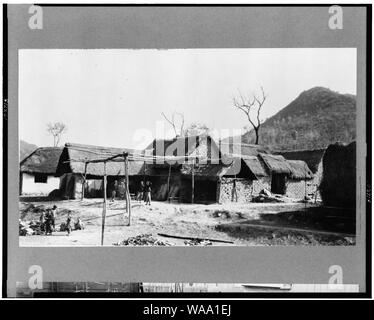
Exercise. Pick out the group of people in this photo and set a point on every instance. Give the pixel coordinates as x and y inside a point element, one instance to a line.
<point>47,220</point>
<point>144,192</point>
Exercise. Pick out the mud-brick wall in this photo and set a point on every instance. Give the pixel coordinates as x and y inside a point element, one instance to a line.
<point>261,184</point>
<point>243,190</point>
<point>296,189</point>
<point>313,185</point>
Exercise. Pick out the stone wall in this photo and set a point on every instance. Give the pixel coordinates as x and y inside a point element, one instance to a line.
<point>295,189</point>
<point>260,184</point>
<point>245,189</point>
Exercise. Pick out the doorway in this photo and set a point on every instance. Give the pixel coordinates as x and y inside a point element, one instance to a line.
<point>278,183</point>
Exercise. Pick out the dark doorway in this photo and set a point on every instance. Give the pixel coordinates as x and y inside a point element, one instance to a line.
<point>205,191</point>
<point>278,183</point>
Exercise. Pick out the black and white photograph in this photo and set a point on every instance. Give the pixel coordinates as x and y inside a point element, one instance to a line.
<point>208,151</point>
<point>187,147</point>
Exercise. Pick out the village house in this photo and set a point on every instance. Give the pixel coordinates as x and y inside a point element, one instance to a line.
<point>78,175</point>
<point>183,169</point>
<point>38,172</point>
<point>185,163</point>
<point>271,172</point>
<point>313,158</point>
<point>288,177</point>
<point>237,175</point>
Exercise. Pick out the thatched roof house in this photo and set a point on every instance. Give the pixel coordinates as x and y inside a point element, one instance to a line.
<point>74,156</point>
<point>75,164</point>
<point>294,169</point>
<point>312,158</point>
<point>195,156</point>
<point>38,171</point>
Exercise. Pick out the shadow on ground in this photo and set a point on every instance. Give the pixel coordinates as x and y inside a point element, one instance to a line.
<point>314,225</point>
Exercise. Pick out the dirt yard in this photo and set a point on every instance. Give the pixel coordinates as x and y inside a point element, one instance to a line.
<point>232,222</point>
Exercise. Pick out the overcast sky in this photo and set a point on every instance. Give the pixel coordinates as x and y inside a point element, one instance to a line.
<point>105,96</point>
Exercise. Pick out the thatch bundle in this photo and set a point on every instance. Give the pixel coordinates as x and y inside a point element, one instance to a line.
<point>338,186</point>
<point>276,163</point>
<point>299,170</point>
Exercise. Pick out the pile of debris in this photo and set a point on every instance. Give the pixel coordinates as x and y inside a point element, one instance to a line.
<point>267,196</point>
<point>142,240</point>
<point>29,228</point>
<point>29,211</point>
<point>198,242</point>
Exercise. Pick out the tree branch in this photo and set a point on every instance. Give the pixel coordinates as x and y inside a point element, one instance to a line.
<point>247,104</point>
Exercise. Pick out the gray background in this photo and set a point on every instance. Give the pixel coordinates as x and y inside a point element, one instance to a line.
<point>185,27</point>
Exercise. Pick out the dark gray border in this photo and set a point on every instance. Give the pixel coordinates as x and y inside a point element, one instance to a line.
<point>186,27</point>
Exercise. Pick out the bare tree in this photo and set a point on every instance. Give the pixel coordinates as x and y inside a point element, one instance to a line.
<point>178,131</point>
<point>247,105</point>
<point>56,130</point>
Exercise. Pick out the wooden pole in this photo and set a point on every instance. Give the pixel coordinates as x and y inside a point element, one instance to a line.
<point>193,182</point>
<point>125,165</point>
<point>168,195</point>
<point>84,179</point>
<point>104,207</point>
<point>128,198</point>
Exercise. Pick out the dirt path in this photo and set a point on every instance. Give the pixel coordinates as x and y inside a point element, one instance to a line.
<point>176,219</point>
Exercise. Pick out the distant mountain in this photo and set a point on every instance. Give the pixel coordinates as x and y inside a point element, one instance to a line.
<point>315,119</point>
<point>25,149</point>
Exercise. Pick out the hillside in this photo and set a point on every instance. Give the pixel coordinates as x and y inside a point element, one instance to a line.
<point>315,119</point>
<point>25,149</point>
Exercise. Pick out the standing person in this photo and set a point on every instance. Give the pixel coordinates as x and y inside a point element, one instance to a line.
<point>148,190</point>
<point>114,192</point>
<point>68,224</point>
<point>48,222</point>
<point>53,217</point>
<point>42,221</point>
<point>234,194</point>
<point>140,195</point>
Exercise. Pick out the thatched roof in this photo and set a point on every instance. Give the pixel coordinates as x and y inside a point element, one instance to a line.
<point>276,163</point>
<point>256,166</point>
<point>299,170</point>
<point>294,169</point>
<point>74,156</point>
<point>312,157</point>
<point>253,167</point>
<point>204,170</point>
<point>42,160</point>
